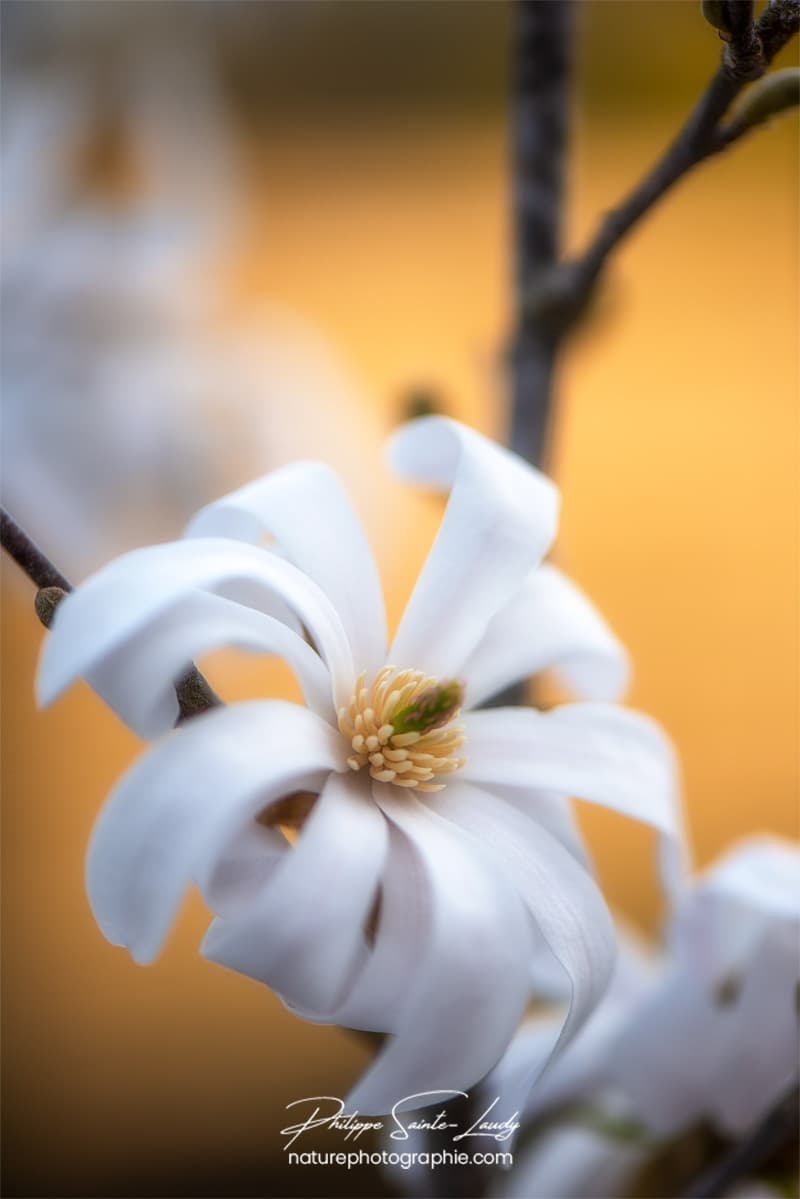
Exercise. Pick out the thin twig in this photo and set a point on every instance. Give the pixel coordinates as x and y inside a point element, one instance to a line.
<point>747,1158</point>
<point>26,553</point>
<point>192,689</point>
<point>566,294</point>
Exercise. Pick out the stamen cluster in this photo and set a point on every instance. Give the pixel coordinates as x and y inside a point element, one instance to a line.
<point>401,728</point>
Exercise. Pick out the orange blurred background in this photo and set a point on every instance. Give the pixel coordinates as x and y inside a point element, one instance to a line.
<point>385,225</point>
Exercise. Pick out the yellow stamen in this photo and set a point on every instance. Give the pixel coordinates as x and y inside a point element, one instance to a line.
<point>427,742</point>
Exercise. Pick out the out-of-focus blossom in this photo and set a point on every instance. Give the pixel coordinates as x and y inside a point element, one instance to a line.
<point>719,1036</point>
<point>133,390</point>
<point>707,1037</point>
<point>436,853</point>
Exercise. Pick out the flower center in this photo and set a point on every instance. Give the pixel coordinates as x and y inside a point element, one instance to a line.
<point>401,728</point>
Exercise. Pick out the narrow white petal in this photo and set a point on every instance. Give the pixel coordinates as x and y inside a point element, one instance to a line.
<point>499,522</point>
<point>469,992</point>
<point>136,680</point>
<point>170,819</point>
<point>691,1052</point>
<point>305,508</point>
<point>134,593</point>
<point>304,933</point>
<point>549,624</point>
<point>379,993</point>
<point>563,898</point>
<point>763,873</point>
<point>554,812</point>
<point>244,865</point>
<point>759,1059</point>
<point>664,1057</point>
<point>582,1070</point>
<point>603,754</point>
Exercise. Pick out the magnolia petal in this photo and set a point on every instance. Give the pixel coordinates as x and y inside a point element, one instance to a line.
<point>722,921</point>
<point>603,754</point>
<point>571,1160</point>
<point>243,867</point>
<point>553,812</point>
<point>136,680</point>
<point>688,1053</point>
<point>304,934</point>
<point>305,508</point>
<point>762,873</point>
<point>548,624</point>
<point>471,986</point>
<point>758,1062</point>
<point>169,818</point>
<point>563,898</point>
<point>582,1071</point>
<point>133,593</point>
<point>379,993</point>
<point>719,1039</point>
<point>663,1057</point>
<point>499,522</point>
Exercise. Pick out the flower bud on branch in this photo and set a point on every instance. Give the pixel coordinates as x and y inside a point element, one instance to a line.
<point>773,95</point>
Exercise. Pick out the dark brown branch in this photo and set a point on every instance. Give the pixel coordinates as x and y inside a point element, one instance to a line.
<point>567,292</point>
<point>539,125</point>
<point>745,1160</point>
<point>541,60</point>
<point>26,553</point>
<point>192,689</point>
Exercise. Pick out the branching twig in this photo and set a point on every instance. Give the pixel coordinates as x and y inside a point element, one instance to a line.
<point>193,690</point>
<point>563,297</point>
<point>745,1160</point>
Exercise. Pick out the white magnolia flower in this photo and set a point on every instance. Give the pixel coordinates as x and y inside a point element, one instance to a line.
<point>710,1034</point>
<point>718,1037</point>
<point>436,853</point>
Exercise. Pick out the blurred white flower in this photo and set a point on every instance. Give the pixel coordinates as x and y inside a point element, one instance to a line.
<point>132,394</point>
<point>436,852</point>
<point>718,1038</point>
<point>708,1034</point>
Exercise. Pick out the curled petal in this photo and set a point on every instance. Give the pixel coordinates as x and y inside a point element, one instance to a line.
<point>305,508</point>
<point>548,625</point>
<point>303,934</point>
<point>402,924</point>
<point>136,679</point>
<point>129,597</point>
<point>561,895</point>
<point>603,754</point>
<point>170,818</point>
<point>470,989</point>
<point>499,522</point>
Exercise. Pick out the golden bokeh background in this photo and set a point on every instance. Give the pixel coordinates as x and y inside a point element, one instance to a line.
<point>676,450</point>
